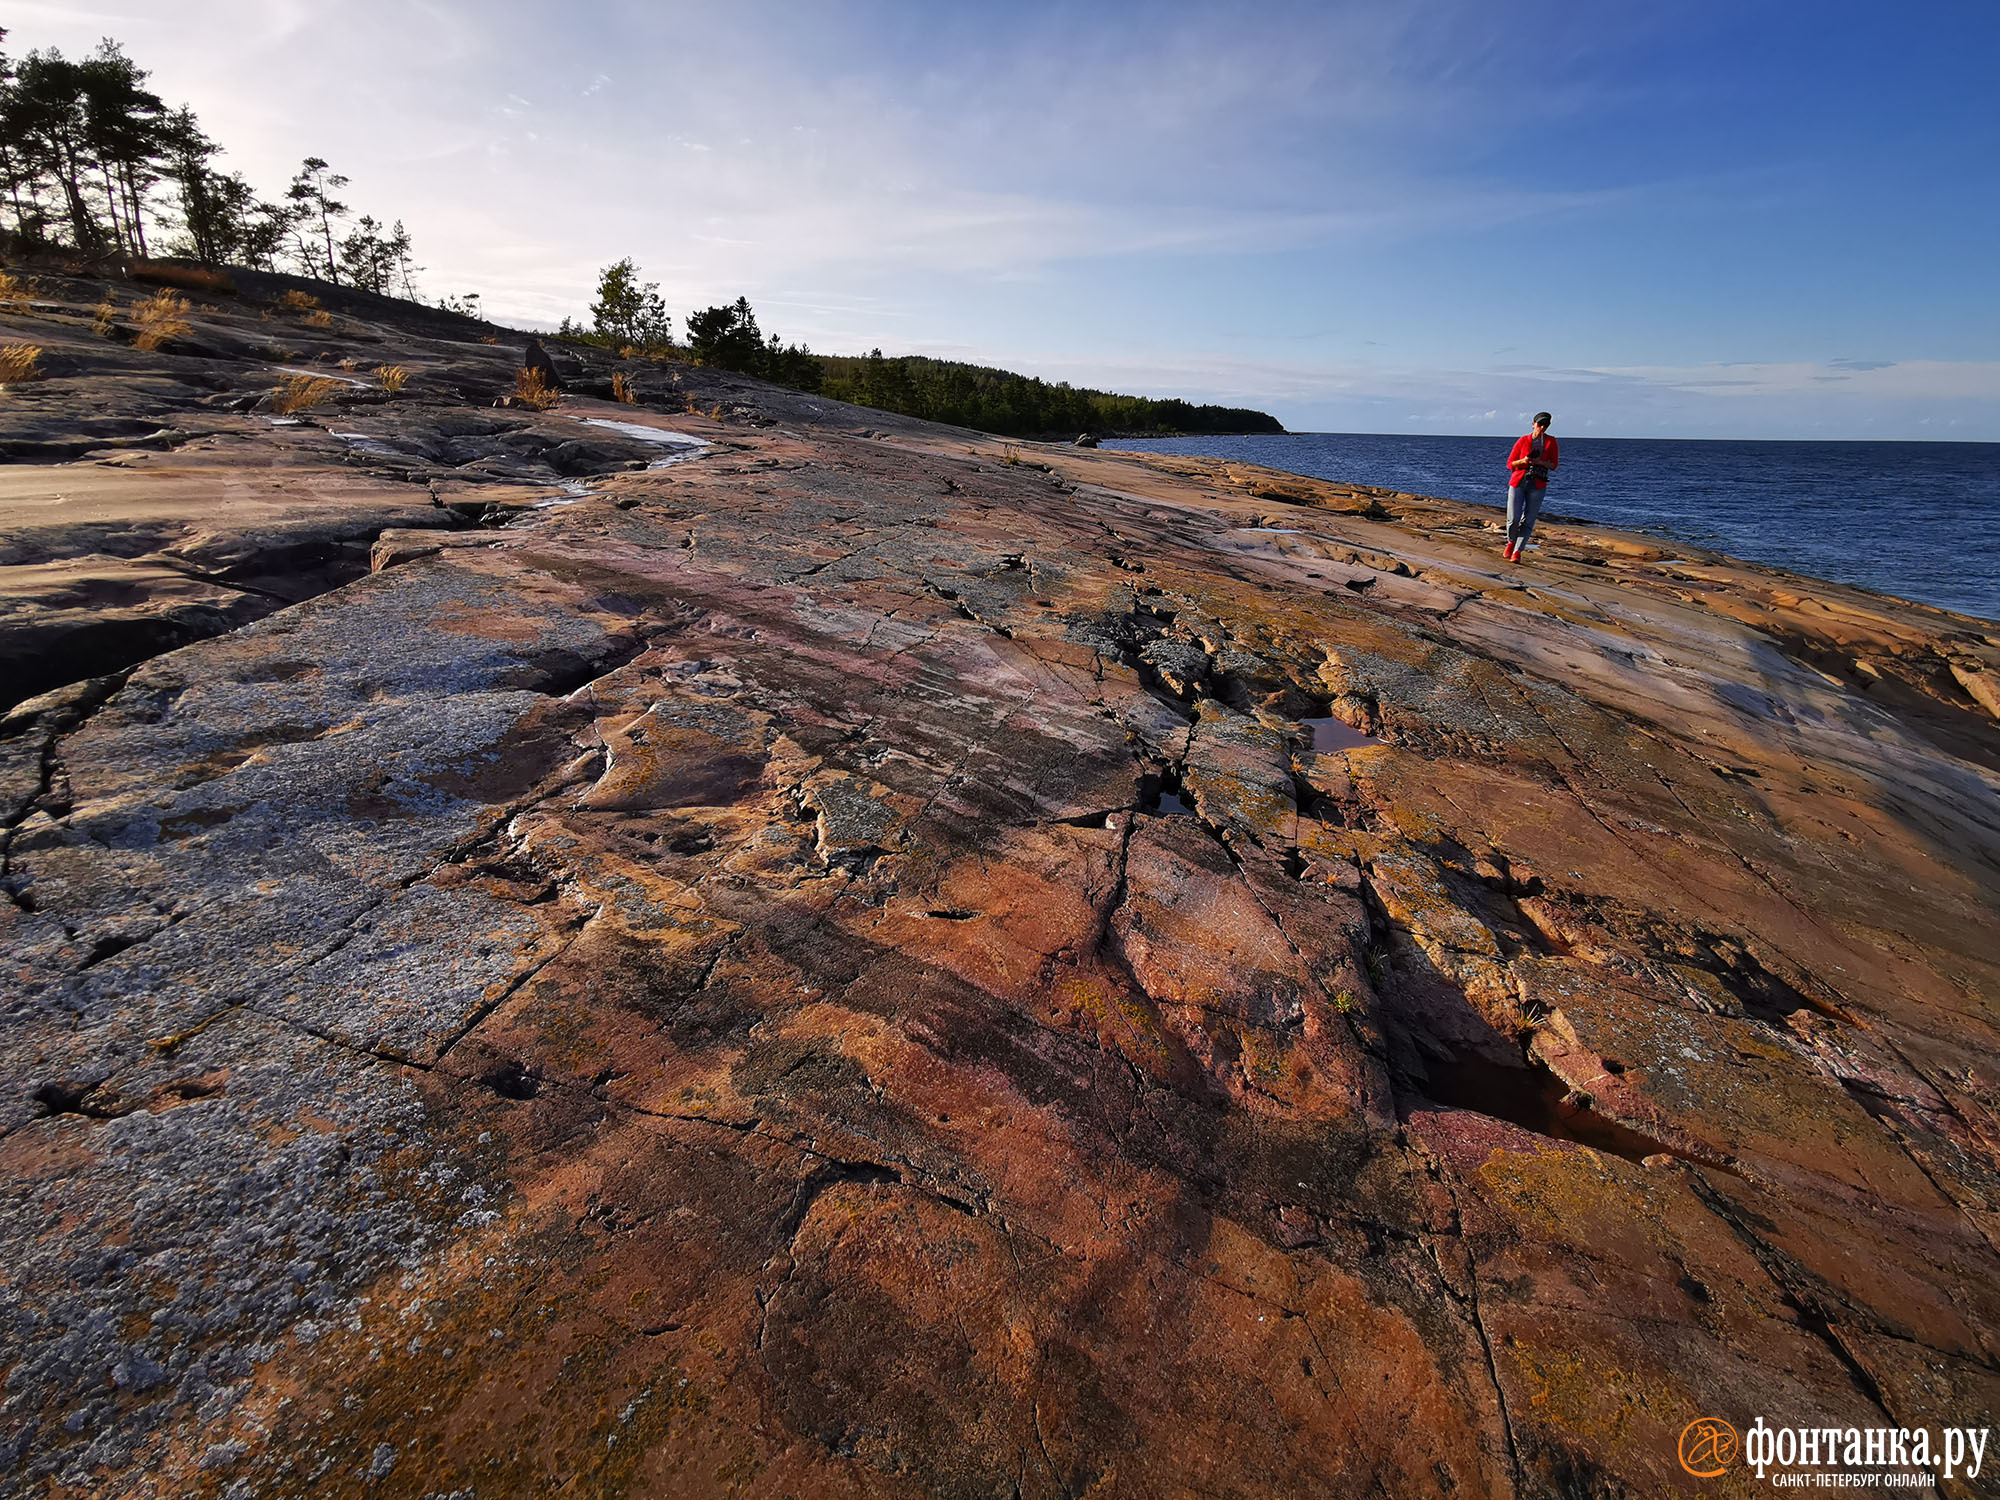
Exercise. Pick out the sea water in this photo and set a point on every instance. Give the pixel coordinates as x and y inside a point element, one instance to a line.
<point>1918,520</point>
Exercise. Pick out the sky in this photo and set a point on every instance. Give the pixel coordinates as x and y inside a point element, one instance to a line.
<point>1677,218</point>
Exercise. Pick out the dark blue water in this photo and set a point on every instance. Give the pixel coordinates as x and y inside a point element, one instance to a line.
<point>1918,520</point>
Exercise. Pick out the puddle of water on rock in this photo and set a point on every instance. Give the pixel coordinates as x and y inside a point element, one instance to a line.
<point>1330,735</point>
<point>365,385</point>
<point>1162,798</point>
<point>1535,1099</point>
<point>644,434</point>
<point>361,442</point>
<point>573,490</point>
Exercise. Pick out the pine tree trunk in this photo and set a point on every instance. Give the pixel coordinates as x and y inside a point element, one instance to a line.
<point>138,208</point>
<point>119,235</point>
<point>83,223</point>
<point>326,229</point>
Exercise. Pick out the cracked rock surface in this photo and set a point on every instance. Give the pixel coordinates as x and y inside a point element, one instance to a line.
<point>843,967</point>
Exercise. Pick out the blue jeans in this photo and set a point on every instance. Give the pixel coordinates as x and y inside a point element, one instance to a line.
<point>1524,504</point>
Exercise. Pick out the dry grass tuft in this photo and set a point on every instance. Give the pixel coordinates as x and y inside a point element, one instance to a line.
<point>188,278</point>
<point>20,362</point>
<point>393,377</point>
<point>160,317</point>
<point>350,363</point>
<point>104,319</point>
<point>1010,455</point>
<point>491,338</point>
<point>319,320</point>
<point>300,302</point>
<point>297,392</point>
<point>622,392</point>
<point>13,293</point>
<point>531,389</point>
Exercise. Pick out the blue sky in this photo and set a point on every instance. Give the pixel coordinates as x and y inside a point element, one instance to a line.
<point>1740,219</point>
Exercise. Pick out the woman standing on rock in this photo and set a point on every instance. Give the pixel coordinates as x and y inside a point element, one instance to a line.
<point>1529,464</point>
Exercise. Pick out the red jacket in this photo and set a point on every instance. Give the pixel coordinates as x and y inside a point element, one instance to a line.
<point>1521,451</point>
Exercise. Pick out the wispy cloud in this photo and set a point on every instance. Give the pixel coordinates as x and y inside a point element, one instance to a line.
<point>1053,183</point>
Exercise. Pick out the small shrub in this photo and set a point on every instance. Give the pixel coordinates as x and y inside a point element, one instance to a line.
<point>160,317</point>
<point>319,320</point>
<point>629,352</point>
<point>297,392</point>
<point>13,293</point>
<point>531,389</point>
<point>393,377</point>
<point>20,362</point>
<point>104,319</point>
<point>622,392</point>
<point>300,302</point>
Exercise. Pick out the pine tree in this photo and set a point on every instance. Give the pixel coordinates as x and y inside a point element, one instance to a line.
<point>628,311</point>
<point>314,209</point>
<point>727,337</point>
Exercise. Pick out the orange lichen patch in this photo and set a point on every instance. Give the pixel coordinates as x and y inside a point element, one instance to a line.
<point>1599,1403</point>
<point>679,753</point>
<point>1580,1197</point>
<point>488,625</point>
<point>1413,892</point>
<point>34,1155</point>
<point>1119,1017</point>
<point>633,898</point>
<point>1002,935</point>
<point>1725,1083</point>
<point>1645,1233</point>
<point>1635,1249</point>
<point>1334,842</point>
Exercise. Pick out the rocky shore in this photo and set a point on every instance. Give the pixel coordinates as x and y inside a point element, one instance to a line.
<point>870,960</point>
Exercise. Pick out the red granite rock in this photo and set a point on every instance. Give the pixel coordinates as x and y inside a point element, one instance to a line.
<point>836,968</point>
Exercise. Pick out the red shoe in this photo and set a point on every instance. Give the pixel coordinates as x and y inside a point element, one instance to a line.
<point>1514,556</point>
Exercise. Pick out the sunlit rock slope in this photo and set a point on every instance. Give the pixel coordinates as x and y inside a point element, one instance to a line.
<point>871,961</point>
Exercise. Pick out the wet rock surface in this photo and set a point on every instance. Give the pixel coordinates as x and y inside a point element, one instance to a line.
<point>851,965</point>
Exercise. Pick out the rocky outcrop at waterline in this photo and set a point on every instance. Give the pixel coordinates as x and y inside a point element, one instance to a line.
<point>842,965</point>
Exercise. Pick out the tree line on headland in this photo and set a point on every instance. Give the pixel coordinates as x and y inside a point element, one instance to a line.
<point>630,314</point>
<point>94,165</point>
